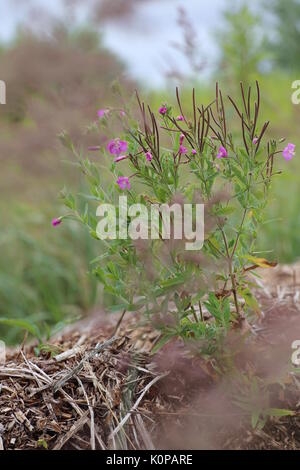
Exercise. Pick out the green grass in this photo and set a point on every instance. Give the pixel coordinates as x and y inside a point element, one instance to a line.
<point>44,274</point>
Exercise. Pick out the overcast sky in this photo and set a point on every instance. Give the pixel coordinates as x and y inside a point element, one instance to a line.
<point>143,44</point>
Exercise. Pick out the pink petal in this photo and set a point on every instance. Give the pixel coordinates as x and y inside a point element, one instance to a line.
<point>56,222</point>
<point>102,112</point>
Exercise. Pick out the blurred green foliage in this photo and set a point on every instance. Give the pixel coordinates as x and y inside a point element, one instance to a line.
<point>241,45</point>
<point>56,82</point>
<point>284,43</point>
<point>44,274</point>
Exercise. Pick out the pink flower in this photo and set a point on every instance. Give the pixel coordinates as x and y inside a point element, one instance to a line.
<point>182,150</point>
<point>222,152</point>
<point>289,152</point>
<point>163,110</point>
<point>102,112</point>
<point>56,222</point>
<point>120,158</point>
<point>255,140</point>
<point>194,152</point>
<point>122,113</point>
<point>123,182</point>
<point>117,146</point>
<point>148,156</point>
<point>181,138</point>
<point>180,118</point>
<point>94,148</point>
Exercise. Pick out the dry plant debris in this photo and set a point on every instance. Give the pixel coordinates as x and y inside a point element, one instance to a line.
<point>89,390</point>
<point>87,397</point>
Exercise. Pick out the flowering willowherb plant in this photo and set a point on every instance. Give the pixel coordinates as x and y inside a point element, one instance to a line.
<point>183,156</point>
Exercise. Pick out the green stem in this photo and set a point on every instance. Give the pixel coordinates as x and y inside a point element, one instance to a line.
<point>231,273</point>
<point>201,311</point>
